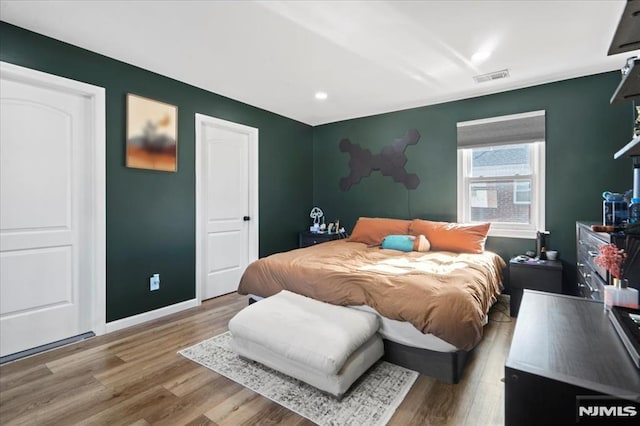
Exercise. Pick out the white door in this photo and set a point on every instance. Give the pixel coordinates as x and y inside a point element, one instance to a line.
<point>227,203</point>
<point>48,237</point>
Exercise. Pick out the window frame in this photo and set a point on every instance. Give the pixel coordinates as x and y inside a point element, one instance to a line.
<point>506,229</point>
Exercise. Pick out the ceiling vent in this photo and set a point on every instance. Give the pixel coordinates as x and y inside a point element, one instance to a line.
<point>495,75</point>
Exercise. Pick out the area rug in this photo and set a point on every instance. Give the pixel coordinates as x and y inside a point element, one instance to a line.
<point>371,401</point>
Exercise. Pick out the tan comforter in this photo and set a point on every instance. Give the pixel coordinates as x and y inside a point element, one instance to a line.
<point>442,293</point>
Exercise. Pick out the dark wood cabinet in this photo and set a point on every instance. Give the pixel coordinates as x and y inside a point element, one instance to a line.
<point>545,275</point>
<point>306,238</point>
<point>565,353</point>
<point>591,277</point>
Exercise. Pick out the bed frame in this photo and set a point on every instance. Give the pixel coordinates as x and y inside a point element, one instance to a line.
<point>445,366</point>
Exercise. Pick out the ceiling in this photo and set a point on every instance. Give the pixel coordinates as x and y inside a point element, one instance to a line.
<point>369,57</point>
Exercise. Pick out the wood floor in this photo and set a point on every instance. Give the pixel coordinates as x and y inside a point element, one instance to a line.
<point>135,377</point>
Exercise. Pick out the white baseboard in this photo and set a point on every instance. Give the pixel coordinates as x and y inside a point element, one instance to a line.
<point>151,315</point>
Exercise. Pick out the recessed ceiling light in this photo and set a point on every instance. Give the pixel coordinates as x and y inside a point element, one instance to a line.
<point>321,96</point>
<point>480,55</point>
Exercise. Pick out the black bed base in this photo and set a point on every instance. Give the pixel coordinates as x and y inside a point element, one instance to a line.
<point>445,366</point>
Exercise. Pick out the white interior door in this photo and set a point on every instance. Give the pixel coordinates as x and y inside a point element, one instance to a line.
<point>227,203</point>
<point>48,239</point>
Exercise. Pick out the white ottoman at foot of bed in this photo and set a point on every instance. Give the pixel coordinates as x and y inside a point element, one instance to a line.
<point>326,346</point>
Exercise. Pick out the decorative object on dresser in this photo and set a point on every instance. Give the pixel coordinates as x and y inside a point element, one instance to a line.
<point>306,238</point>
<point>617,294</point>
<point>615,210</point>
<point>542,275</point>
<point>565,355</point>
<point>591,277</point>
<point>611,258</point>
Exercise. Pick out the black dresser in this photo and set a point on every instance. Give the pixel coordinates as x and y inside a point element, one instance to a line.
<point>591,277</point>
<point>565,353</point>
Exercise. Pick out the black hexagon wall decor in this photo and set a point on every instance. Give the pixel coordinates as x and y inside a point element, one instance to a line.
<point>390,161</point>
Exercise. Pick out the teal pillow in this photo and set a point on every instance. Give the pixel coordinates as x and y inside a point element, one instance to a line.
<point>398,242</point>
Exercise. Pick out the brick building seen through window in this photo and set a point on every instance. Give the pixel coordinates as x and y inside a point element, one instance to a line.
<point>500,184</point>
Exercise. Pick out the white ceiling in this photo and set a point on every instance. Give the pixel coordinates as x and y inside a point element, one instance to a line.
<point>370,57</point>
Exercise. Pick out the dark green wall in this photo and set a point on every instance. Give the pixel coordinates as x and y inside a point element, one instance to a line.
<point>583,132</point>
<point>151,215</point>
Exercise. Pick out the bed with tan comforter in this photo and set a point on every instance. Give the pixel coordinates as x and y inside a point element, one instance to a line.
<point>443,293</point>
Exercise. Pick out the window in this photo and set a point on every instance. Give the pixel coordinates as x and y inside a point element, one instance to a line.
<point>501,174</point>
<point>522,192</point>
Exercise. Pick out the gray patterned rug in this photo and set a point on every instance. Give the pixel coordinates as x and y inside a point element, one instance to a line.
<point>371,401</point>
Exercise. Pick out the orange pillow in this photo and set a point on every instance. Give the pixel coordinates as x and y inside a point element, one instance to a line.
<point>372,230</point>
<point>457,237</point>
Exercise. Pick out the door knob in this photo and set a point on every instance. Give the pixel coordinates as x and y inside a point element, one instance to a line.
<point>246,218</point>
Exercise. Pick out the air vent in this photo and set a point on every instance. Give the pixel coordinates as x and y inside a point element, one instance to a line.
<point>495,75</point>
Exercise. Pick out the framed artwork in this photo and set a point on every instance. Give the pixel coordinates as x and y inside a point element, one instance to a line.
<point>152,134</point>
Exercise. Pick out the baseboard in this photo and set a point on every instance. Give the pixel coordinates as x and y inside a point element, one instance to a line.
<point>151,315</point>
<point>44,348</point>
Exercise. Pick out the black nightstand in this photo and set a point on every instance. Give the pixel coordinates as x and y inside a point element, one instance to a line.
<point>543,275</point>
<point>306,238</point>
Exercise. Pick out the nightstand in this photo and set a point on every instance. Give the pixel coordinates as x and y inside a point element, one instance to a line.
<point>545,275</point>
<point>306,238</point>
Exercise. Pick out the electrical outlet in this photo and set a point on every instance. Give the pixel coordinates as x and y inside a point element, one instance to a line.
<point>154,282</point>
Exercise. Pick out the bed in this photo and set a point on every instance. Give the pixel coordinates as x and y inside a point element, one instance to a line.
<point>433,305</point>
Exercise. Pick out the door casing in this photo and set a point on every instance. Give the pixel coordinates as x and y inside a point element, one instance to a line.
<point>96,231</point>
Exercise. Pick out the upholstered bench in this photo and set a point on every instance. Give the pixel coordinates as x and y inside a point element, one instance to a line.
<point>324,345</point>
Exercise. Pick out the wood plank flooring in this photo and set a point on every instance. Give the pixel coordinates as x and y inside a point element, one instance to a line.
<point>135,377</point>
